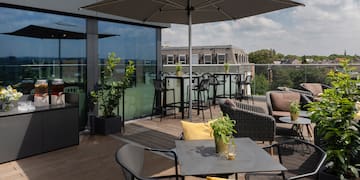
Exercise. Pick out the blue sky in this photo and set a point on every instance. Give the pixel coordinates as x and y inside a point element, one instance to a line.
<point>322,27</point>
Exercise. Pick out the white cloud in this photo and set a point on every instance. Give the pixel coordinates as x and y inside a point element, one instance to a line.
<point>321,27</point>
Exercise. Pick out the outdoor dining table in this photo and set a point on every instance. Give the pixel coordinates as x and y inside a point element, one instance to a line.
<point>182,92</point>
<point>198,157</point>
<point>224,76</point>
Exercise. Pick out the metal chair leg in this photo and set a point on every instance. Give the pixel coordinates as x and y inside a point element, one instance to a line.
<point>174,104</point>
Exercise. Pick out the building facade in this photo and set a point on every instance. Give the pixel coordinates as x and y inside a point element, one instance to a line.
<point>204,55</point>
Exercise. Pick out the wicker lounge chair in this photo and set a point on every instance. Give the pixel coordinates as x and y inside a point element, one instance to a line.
<point>316,89</point>
<point>251,121</point>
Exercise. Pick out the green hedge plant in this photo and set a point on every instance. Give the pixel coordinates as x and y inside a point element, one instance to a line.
<point>335,124</point>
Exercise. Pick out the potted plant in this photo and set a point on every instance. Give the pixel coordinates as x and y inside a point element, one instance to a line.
<point>178,69</point>
<point>108,94</point>
<point>226,67</point>
<point>336,127</point>
<point>294,110</point>
<point>222,130</point>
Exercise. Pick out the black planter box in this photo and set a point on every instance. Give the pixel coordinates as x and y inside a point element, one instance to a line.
<point>109,125</point>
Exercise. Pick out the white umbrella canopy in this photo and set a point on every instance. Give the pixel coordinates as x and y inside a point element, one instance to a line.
<point>189,12</point>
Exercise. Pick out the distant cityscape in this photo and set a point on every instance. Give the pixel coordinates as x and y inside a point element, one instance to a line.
<point>270,56</point>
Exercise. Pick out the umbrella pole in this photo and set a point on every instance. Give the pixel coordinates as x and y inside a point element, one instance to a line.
<point>190,61</point>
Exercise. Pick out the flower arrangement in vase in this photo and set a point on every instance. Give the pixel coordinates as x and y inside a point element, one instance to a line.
<point>7,96</point>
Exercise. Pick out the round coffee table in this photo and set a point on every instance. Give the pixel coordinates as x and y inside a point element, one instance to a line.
<point>298,125</point>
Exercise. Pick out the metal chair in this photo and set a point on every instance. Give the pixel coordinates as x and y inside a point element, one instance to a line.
<point>241,88</point>
<point>302,159</point>
<point>214,82</point>
<point>159,91</point>
<point>131,160</point>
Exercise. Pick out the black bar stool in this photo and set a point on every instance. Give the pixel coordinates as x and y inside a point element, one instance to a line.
<point>201,98</point>
<point>159,91</point>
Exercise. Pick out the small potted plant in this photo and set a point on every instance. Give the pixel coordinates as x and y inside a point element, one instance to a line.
<point>226,67</point>
<point>108,95</point>
<point>178,69</point>
<point>222,130</point>
<point>294,110</point>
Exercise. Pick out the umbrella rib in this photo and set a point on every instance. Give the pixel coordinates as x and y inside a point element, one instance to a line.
<point>170,3</point>
<point>207,4</point>
<point>161,9</point>
<point>213,4</point>
<point>289,2</point>
<point>157,11</point>
<point>91,6</point>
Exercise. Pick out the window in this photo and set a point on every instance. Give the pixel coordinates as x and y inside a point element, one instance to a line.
<point>170,59</point>
<point>221,58</point>
<point>195,59</point>
<point>139,46</point>
<point>182,58</point>
<point>207,59</point>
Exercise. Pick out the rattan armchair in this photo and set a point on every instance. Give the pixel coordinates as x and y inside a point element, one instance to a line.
<point>251,121</point>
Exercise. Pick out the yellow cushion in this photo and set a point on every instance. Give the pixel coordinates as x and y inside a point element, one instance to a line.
<point>196,131</point>
<point>214,178</point>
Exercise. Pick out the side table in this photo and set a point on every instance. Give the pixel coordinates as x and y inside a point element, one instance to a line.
<point>298,125</point>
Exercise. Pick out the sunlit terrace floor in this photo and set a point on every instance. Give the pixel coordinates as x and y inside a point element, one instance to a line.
<point>93,158</point>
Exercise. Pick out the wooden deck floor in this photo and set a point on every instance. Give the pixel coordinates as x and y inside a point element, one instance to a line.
<point>93,158</point>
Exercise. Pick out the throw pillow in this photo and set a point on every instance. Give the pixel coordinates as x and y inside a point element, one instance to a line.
<point>315,88</point>
<point>196,131</point>
<point>281,100</point>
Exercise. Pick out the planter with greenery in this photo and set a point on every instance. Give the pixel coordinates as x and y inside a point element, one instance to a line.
<point>223,129</point>
<point>178,69</point>
<point>335,124</point>
<point>226,67</point>
<point>294,110</point>
<point>108,95</point>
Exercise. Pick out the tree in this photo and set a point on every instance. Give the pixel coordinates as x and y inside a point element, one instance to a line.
<point>263,56</point>
<point>260,84</point>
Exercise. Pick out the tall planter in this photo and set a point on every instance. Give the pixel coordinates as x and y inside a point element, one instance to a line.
<point>107,125</point>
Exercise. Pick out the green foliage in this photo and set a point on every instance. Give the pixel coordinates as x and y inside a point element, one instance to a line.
<point>108,95</point>
<point>262,84</point>
<point>223,127</point>
<point>294,107</point>
<point>178,67</point>
<point>264,56</point>
<point>334,118</point>
<point>226,66</point>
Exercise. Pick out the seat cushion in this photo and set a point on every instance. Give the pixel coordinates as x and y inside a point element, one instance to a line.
<point>196,131</point>
<point>281,100</point>
<point>280,113</point>
<point>315,88</point>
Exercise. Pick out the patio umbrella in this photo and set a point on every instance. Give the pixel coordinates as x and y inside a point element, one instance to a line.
<point>188,12</point>
<point>57,31</point>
